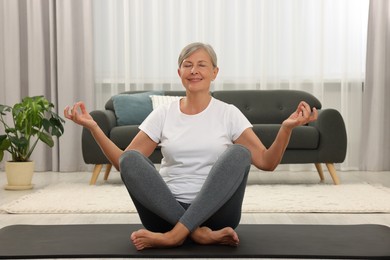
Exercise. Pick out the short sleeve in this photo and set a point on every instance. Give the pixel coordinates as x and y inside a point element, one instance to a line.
<point>237,122</point>
<point>154,123</point>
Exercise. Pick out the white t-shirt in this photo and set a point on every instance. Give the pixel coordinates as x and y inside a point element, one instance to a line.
<point>191,144</point>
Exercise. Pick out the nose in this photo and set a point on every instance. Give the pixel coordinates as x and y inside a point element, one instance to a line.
<point>194,70</point>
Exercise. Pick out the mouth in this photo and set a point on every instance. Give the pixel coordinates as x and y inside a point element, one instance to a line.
<point>195,79</point>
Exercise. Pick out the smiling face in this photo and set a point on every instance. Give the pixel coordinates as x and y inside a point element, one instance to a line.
<point>197,71</point>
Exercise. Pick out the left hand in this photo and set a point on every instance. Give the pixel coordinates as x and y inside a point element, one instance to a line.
<point>302,116</point>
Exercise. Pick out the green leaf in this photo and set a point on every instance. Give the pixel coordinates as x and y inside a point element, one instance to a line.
<point>46,125</point>
<point>20,143</point>
<point>2,138</point>
<point>4,143</point>
<point>47,139</point>
<point>4,109</point>
<point>57,127</point>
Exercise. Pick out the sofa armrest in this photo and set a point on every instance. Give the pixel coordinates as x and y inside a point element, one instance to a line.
<point>333,136</point>
<point>92,153</point>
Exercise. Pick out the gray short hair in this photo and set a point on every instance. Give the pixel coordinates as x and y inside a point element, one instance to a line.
<point>192,47</point>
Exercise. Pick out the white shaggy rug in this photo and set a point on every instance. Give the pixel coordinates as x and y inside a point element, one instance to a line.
<point>113,198</point>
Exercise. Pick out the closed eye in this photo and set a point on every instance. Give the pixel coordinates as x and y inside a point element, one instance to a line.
<point>187,65</point>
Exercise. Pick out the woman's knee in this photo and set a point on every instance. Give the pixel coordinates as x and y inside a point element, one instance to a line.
<point>241,153</point>
<point>131,157</point>
<point>127,158</point>
<point>132,161</point>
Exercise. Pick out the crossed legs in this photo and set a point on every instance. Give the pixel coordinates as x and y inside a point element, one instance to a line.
<point>210,219</point>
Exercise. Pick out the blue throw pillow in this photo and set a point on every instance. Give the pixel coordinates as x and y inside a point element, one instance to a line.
<point>132,109</point>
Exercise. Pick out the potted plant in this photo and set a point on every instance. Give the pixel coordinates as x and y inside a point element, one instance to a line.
<point>31,121</point>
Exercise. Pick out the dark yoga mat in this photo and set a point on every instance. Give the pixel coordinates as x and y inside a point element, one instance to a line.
<point>256,241</point>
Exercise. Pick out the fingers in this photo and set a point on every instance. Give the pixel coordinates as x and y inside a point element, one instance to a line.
<point>72,113</point>
<point>314,115</point>
<point>307,114</point>
<point>76,109</point>
<point>66,113</point>
<point>82,107</point>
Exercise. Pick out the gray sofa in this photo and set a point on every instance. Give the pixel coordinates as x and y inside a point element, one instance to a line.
<point>323,141</point>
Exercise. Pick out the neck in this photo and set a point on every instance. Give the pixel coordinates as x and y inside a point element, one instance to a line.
<point>195,103</point>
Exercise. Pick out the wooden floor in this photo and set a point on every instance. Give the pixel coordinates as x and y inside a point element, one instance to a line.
<point>43,179</point>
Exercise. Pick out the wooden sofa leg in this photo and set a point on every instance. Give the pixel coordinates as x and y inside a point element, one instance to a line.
<point>107,172</point>
<point>333,173</point>
<point>320,171</point>
<point>95,173</point>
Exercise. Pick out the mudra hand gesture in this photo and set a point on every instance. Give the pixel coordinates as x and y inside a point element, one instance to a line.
<point>303,115</point>
<point>79,114</point>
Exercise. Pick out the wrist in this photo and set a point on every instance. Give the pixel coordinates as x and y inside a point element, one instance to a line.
<point>93,127</point>
<point>286,128</point>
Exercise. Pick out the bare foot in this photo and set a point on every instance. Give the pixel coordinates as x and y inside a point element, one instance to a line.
<point>143,238</point>
<point>206,236</point>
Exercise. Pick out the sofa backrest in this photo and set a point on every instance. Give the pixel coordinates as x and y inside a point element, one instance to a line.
<point>266,106</point>
<point>259,106</point>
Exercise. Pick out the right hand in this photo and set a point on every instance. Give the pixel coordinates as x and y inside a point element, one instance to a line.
<point>79,114</point>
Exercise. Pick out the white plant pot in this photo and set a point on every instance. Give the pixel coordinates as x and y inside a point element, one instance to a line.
<point>19,175</point>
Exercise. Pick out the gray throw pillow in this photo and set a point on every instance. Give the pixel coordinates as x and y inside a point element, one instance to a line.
<point>132,109</point>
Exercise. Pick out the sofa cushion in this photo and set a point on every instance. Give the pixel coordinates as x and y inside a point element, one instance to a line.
<point>302,137</point>
<point>132,109</point>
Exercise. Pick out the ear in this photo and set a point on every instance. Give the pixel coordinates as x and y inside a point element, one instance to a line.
<point>215,73</point>
<point>179,72</point>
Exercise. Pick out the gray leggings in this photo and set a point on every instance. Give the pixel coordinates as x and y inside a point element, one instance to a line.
<point>217,205</point>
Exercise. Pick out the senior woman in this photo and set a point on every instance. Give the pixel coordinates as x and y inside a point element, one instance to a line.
<point>208,147</point>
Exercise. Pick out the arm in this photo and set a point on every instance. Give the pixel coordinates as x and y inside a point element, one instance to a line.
<point>268,159</point>
<point>92,154</point>
<point>141,142</point>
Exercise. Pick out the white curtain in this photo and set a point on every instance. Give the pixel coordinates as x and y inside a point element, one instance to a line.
<point>75,73</point>
<point>46,48</point>
<point>375,139</point>
<point>316,46</point>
